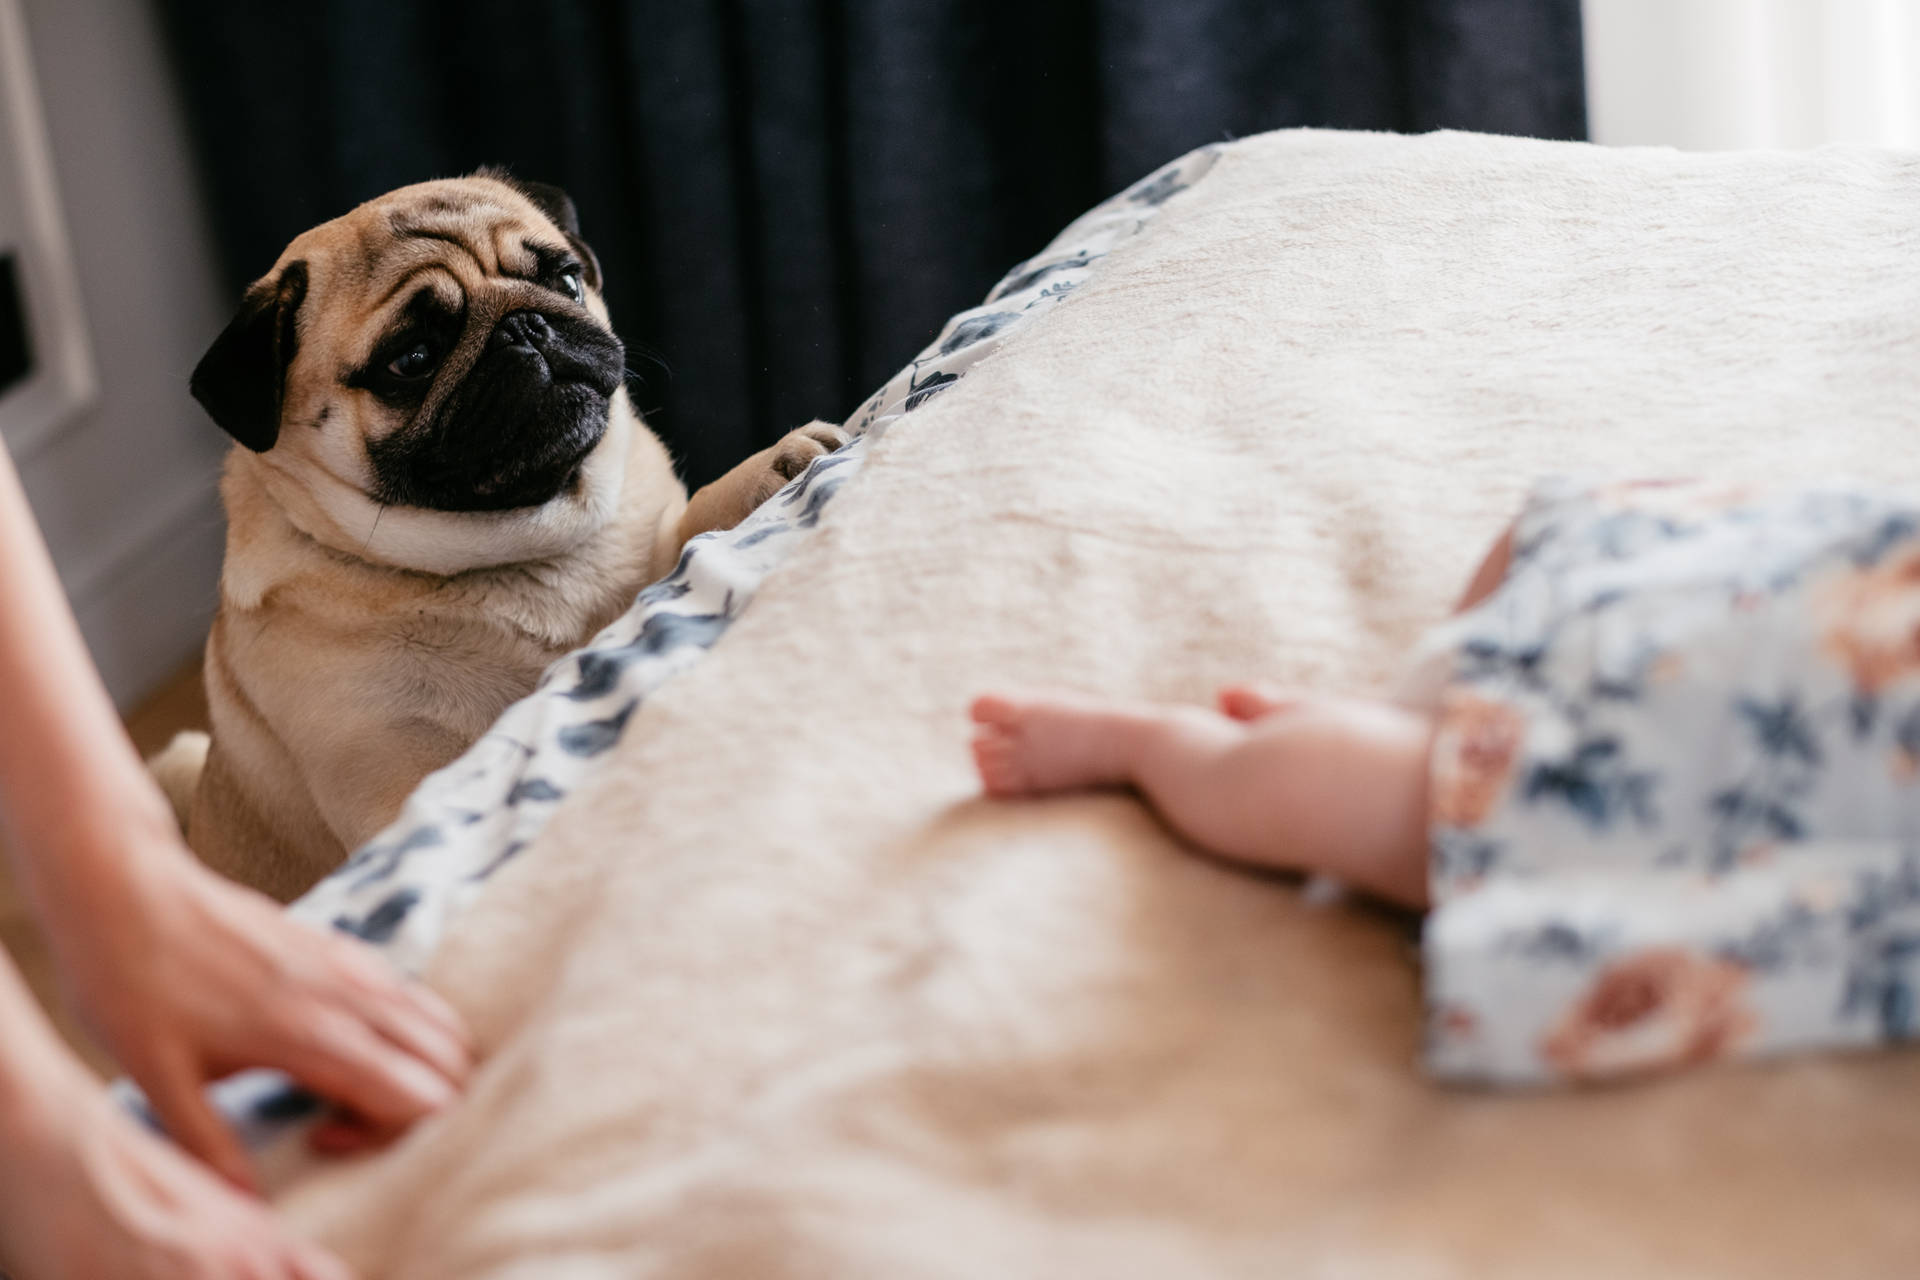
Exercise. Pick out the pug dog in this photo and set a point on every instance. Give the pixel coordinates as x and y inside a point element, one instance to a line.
<point>439,486</point>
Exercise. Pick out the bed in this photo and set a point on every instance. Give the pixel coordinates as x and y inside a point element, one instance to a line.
<point>766,988</point>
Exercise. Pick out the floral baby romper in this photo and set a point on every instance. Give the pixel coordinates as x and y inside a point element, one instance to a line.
<point>1676,784</point>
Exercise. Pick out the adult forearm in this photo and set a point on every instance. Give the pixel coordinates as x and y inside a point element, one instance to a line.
<point>32,1058</point>
<point>71,785</point>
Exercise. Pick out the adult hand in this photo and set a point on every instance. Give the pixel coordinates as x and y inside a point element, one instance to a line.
<point>86,1193</point>
<point>183,976</point>
<point>186,977</point>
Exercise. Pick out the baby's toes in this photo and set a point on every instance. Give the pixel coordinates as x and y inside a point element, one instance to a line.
<point>1252,701</point>
<point>996,755</point>
<point>997,710</point>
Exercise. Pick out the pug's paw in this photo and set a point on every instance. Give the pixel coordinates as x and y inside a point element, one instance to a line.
<point>734,496</point>
<point>799,447</point>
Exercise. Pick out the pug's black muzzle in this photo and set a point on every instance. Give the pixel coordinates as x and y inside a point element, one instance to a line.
<point>516,430</point>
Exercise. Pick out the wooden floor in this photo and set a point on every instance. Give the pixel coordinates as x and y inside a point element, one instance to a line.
<point>178,705</point>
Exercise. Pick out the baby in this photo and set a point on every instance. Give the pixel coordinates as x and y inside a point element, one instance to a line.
<point>1671,725</point>
<point>1296,780</point>
<point>1279,778</point>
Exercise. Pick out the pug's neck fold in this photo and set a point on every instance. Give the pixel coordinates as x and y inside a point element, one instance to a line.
<point>339,514</point>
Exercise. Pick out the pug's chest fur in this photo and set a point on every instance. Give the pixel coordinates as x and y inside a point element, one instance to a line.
<point>335,684</point>
<point>469,648</point>
<point>446,654</point>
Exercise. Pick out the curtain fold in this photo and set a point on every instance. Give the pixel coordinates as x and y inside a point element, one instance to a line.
<point>789,196</point>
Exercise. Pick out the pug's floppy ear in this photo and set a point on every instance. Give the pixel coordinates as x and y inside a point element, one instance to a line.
<point>553,202</point>
<point>242,378</point>
<point>558,206</point>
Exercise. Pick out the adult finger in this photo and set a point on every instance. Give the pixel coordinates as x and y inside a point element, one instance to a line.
<point>345,1061</point>
<point>406,1013</point>
<point>432,1006</point>
<point>370,973</point>
<point>311,1262</point>
<point>230,1236</point>
<point>402,1023</point>
<point>174,1088</point>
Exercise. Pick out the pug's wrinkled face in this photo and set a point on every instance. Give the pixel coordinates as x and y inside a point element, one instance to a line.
<point>442,348</point>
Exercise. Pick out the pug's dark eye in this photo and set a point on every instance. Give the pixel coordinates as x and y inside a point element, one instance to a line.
<point>572,285</point>
<point>416,362</point>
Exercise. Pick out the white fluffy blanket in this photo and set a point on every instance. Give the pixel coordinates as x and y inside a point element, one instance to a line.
<point>777,995</point>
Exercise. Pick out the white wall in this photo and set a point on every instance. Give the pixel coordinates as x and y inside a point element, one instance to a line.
<point>125,492</point>
<point>1729,74</point>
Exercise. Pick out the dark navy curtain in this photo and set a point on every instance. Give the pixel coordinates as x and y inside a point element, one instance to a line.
<point>789,196</point>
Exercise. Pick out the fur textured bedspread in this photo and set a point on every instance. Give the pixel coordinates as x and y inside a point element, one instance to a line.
<point>777,995</point>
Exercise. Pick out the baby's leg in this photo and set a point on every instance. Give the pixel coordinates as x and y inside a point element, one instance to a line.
<point>1317,784</point>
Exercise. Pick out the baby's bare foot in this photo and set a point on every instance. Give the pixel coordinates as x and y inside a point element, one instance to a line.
<point>1028,745</point>
<point>1247,702</point>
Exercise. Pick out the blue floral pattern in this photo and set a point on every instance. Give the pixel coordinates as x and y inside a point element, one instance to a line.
<point>1676,784</point>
